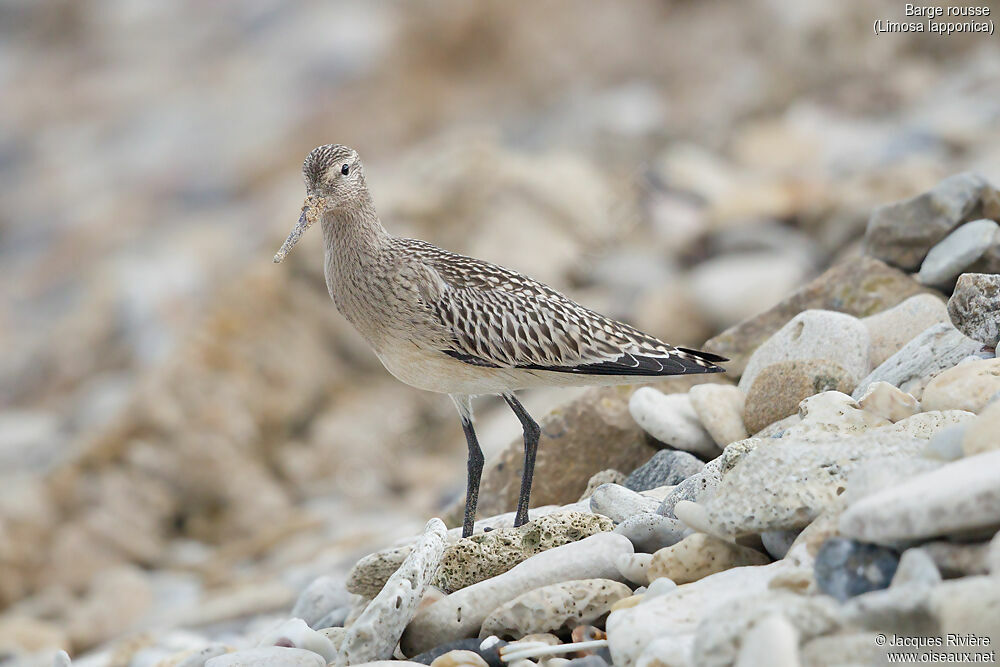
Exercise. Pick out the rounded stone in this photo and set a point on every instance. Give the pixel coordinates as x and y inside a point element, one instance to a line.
<point>720,409</point>
<point>974,307</point>
<point>983,434</point>
<point>555,608</point>
<point>889,402</point>
<point>957,251</point>
<point>780,387</point>
<point>670,419</point>
<point>968,386</point>
<point>700,555</point>
<point>459,658</point>
<point>272,656</point>
<point>668,467</point>
<point>845,568</point>
<point>891,329</point>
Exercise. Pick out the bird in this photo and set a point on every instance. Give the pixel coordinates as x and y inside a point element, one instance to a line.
<point>452,324</point>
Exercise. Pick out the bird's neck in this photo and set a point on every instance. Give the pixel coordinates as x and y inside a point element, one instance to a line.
<point>354,232</point>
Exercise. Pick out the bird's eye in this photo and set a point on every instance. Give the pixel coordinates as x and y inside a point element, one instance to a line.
<point>345,170</point>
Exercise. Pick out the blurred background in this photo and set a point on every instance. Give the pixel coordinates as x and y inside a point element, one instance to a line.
<point>189,433</point>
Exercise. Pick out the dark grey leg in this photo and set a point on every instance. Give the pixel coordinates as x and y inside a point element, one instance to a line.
<point>531,435</point>
<point>475,474</point>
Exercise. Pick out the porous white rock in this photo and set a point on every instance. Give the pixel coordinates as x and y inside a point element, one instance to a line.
<point>814,334</point>
<point>926,425</point>
<point>700,555</point>
<point>554,608</point>
<point>968,386</point>
<point>894,327</point>
<point>375,633</point>
<point>618,503</point>
<point>786,484</point>
<point>888,402</point>
<point>720,409</point>
<point>956,497</point>
<point>671,419</point>
<point>462,613</point>
<point>273,656</point>
<point>936,348</point>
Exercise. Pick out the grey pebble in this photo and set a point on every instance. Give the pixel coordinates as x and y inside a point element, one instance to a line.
<point>846,568</point>
<point>668,467</point>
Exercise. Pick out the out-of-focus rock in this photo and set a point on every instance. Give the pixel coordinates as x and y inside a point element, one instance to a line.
<point>968,386</point>
<point>959,250</point>
<point>671,419</point>
<point>894,327</point>
<point>902,233</point>
<point>780,387</point>
<point>860,286</point>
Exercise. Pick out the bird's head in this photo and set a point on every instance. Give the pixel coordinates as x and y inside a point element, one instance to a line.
<point>334,179</point>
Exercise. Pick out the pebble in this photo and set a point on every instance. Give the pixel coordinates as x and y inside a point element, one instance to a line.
<point>926,425</point>
<point>608,476</point>
<point>721,634</point>
<point>858,286</point>
<point>771,641</point>
<point>938,347</point>
<point>671,419</point>
<point>845,568</point>
<point>592,660</point>
<point>696,488</point>
<point>618,503</point>
<point>946,445</point>
<point>916,567</point>
<point>958,251</point>
<point>893,328</point>
<point>555,608</point>
<point>956,497</point>
<point>635,567</point>
<point>700,555</point>
<point>296,633</point>
<point>903,233</point>
<point>485,555</point>
<point>490,654</point>
<point>983,434</point>
<point>459,658</point>
<point>668,467</point>
<point>370,573</point>
<point>462,613</point>
<point>273,656</point>
<point>958,559</point>
<point>785,485</point>
<point>651,532</point>
<point>888,402</point>
<point>814,334</point>
<point>974,307</point>
<point>968,386</point>
<point>322,596</point>
<point>781,387</point>
<point>778,542</point>
<point>720,409</point>
<point>375,633</point>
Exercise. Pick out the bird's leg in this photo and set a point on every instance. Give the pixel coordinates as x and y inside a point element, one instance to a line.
<point>475,465</point>
<point>531,435</point>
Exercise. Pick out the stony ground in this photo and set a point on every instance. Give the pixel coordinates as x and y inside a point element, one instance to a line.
<point>191,437</point>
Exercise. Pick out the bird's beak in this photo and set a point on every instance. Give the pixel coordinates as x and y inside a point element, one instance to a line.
<point>312,209</point>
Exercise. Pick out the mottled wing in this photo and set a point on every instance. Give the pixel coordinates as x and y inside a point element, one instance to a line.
<point>500,318</point>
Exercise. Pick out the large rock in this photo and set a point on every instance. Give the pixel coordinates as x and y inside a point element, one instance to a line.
<point>779,388</point>
<point>974,307</point>
<point>894,327</point>
<point>587,435</point>
<point>814,334</point>
<point>860,286</point>
<point>902,233</point>
<point>958,251</point>
<point>787,484</point>
<point>950,500</point>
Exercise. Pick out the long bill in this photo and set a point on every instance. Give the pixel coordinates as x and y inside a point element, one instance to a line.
<point>312,209</point>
